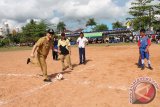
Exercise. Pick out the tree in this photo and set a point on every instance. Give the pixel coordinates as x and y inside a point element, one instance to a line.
<point>29,29</point>
<point>117,24</point>
<point>101,27</point>
<point>14,33</point>
<point>61,26</point>
<point>143,12</point>
<point>91,22</point>
<point>156,25</point>
<point>33,30</point>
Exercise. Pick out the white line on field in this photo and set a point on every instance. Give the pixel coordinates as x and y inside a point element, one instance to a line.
<point>123,88</point>
<point>1,102</point>
<point>27,93</point>
<point>19,75</point>
<point>33,90</point>
<point>29,75</point>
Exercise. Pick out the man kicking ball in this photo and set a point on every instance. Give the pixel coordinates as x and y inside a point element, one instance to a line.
<point>144,43</point>
<point>43,46</point>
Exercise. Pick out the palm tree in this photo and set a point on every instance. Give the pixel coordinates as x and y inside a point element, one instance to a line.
<point>61,26</point>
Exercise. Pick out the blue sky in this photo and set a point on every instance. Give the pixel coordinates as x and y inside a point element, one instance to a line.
<point>120,2</point>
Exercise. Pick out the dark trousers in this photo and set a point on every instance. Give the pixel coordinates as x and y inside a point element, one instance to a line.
<point>55,55</point>
<point>82,56</point>
<point>139,62</point>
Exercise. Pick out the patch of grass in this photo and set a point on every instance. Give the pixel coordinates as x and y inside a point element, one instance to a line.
<point>5,49</point>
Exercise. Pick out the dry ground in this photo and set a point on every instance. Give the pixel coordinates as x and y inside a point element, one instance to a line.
<point>103,82</point>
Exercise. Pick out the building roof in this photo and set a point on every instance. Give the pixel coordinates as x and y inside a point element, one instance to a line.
<point>79,30</point>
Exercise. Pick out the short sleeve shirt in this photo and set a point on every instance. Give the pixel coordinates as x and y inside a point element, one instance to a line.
<point>81,42</point>
<point>144,42</point>
<point>43,46</point>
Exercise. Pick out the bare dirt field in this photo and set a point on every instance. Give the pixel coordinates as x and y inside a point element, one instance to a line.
<point>103,82</point>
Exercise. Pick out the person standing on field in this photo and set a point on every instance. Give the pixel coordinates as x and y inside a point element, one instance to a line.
<point>55,48</point>
<point>144,43</point>
<point>82,41</point>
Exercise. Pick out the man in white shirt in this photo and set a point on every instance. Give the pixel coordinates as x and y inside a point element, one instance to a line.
<point>81,41</point>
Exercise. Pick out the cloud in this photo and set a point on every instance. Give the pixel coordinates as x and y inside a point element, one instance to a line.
<point>98,9</point>
<point>70,11</point>
<point>55,20</point>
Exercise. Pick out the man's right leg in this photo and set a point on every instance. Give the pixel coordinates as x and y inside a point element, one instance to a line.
<point>56,55</point>
<point>68,60</point>
<point>80,55</point>
<point>84,55</point>
<point>62,61</point>
<point>149,62</point>
<point>139,61</point>
<point>39,62</point>
<point>142,53</point>
<point>53,54</point>
<point>43,65</point>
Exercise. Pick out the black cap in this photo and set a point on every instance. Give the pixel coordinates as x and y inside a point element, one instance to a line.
<point>50,31</point>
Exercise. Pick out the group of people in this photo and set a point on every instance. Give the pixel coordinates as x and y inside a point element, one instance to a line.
<point>59,48</point>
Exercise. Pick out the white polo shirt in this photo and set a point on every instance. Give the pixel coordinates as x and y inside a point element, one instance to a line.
<point>82,42</point>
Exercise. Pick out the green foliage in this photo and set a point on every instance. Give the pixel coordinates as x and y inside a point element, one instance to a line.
<point>141,22</point>
<point>91,22</point>
<point>101,27</point>
<point>1,43</point>
<point>143,12</point>
<point>61,26</point>
<point>4,42</point>
<point>33,30</point>
<point>117,24</point>
<point>156,25</point>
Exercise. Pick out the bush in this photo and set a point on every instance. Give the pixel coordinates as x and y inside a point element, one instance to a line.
<point>4,42</point>
<point>1,43</point>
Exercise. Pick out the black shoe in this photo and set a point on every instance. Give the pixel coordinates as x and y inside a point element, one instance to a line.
<point>47,80</point>
<point>63,69</point>
<point>71,68</point>
<point>142,68</point>
<point>150,68</point>
<point>80,63</point>
<point>28,60</point>
<point>139,66</point>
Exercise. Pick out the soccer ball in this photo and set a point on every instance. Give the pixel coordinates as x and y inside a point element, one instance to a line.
<point>59,76</point>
